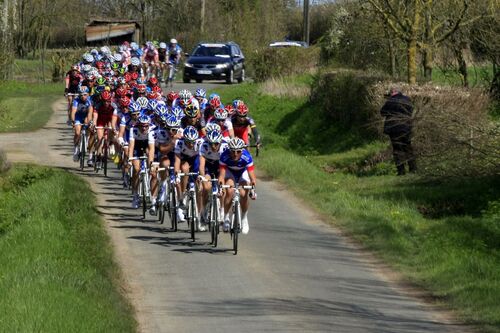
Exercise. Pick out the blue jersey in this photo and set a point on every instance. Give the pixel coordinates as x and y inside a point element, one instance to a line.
<point>238,167</point>
<point>82,107</point>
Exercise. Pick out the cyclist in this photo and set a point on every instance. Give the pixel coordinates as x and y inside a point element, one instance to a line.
<point>186,160</point>
<point>150,59</point>
<point>242,122</point>
<point>142,142</point>
<point>201,96</point>
<point>210,152</point>
<point>162,58</point>
<point>221,118</point>
<point>105,110</point>
<point>236,168</point>
<point>172,99</point>
<point>194,118</point>
<point>174,57</point>
<point>72,86</point>
<point>213,104</point>
<point>135,67</point>
<point>81,111</point>
<point>127,121</point>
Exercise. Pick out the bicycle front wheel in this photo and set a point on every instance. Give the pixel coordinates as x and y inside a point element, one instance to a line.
<point>83,147</point>
<point>193,217</point>
<point>236,226</point>
<point>173,209</point>
<point>105,160</point>
<point>143,192</point>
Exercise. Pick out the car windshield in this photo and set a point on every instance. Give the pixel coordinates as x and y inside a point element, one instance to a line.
<point>212,51</point>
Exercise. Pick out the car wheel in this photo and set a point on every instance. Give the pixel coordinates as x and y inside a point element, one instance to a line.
<point>230,77</point>
<point>199,81</point>
<point>186,80</point>
<point>242,76</point>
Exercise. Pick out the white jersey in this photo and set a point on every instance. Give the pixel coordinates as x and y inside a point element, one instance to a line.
<point>162,136</point>
<point>209,154</point>
<point>184,151</point>
<point>138,135</point>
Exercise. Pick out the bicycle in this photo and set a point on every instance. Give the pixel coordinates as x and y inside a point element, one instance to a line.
<point>101,160</point>
<point>172,198</point>
<point>82,146</point>
<point>172,70</point>
<point>192,208</point>
<point>212,208</point>
<point>235,206</point>
<point>144,182</point>
<point>162,195</point>
<point>70,104</point>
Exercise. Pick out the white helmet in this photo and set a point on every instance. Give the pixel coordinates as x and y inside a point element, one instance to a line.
<point>135,61</point>
<point>104,50</point>
<point>118,57</point>
<point>87,57</point>
<point>173,41</point>
<point>236,144</point>
<point>163,45</point>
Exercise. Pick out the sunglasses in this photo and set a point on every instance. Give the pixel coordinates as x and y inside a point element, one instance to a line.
<point>239,151</point>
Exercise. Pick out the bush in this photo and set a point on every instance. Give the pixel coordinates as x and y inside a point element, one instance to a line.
<point>4,163</point>
<point>278,62</point>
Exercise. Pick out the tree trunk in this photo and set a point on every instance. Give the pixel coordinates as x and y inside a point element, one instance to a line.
<point>462,66</point>
<point>428,63</point>
<point>412,61</point>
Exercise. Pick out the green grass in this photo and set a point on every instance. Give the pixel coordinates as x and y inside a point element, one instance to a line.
<point>478,76</point>
<point>442,235</point>
<point>31,70</point>
<point>26,106</point>
<point>56,267</point>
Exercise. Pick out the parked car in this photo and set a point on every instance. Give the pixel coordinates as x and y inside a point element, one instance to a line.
<point>215,61</point>
<point>289,43</point>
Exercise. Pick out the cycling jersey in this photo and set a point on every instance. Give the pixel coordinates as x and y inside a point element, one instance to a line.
<point>184,152</point>
<point>150,55</point>
<point>105,114</point>
<point>82,109</point>
<point>73,82</point>
<point>199,124</point>
<point>127,122</point>
<point>237,169</point>
<point>141,140</point>
<point>225,127</point>
<point>240,126</point>
<point>173,52</point>
<point>162,55</point>
<point>212,157</point>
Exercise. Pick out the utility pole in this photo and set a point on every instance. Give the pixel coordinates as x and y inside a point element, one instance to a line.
<point>306,21</point>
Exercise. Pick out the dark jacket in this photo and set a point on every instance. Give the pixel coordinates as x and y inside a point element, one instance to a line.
<point>397,111</point>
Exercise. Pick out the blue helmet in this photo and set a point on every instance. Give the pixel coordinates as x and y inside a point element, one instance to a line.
<point>212,96</point>
<point>214,137</point>
<point>162,109</point>
<point>177,112</point>
<point>152,104</point>
<point>212,127</point>
<point>144,120</point>
<point>237,102</point>
<point>190,134</point>
<point>173,122</point>
<point>143,102</point>
<point>135,108</point>
<point>200,92</point>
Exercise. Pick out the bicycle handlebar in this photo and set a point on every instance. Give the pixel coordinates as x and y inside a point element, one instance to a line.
<point>244,187</point>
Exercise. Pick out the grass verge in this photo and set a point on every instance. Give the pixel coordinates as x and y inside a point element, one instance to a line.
<point>57,272</point>
<point>26,106</point>
<point>443,235</point>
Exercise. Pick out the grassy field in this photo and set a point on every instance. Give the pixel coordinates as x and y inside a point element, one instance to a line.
<point>29,70</point>
<point>26,106</point>
<point>56,267</point>
<point>442,235</point>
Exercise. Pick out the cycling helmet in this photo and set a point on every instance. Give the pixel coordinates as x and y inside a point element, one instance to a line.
<point>134,46</point>
<point>121,71</point>
<point>94,52</point>
<point>118,57</point>
<point>191,111</point>
<point>106,95</point>
<point>156,43</point>
<point>75,68</point>
<point>229,108</point>
<point>84,90</point>
<point>173,122</point>
<point>236,144</point>
<point>135,108</point>
<point>87,68</point>
<point>237,102</point>
<point>214,137</point>
<point>121,80</point>
<point>190,134</point>
<point>242,110</point>
<point>143,102</point>
<point>144,120</point>
<point>121,92</point>
<point>185,95</point>
<point>177,112</point>
<point>156,89</point>
<point>104,49</point>
<point>152,105</point>
<point>110,58</point>
<point>220,114</point>
<point>124,102</point>
<point>215,103</point>
<point>115,66</point>
<point>200,92</point>
<point>87,57</point>
<point>101,81</point>
<point>141,88</point>
<point>172,96</point>
<point>162,109</point>
<point>153,81</point>
<point>173,41</point>
<point>153,95</point>
<point>163,45</point>
<point>213,95</point>
<point>212,127</point>
<point>99,64</point>
<point>135,61</point>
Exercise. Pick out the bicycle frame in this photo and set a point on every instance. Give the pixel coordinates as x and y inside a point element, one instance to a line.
<point>192,211</point>
<point>235,206</point>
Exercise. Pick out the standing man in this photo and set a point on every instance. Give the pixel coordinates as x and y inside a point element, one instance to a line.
<point>398,111</point>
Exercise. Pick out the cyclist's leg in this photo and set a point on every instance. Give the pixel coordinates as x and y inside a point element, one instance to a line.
<point>244,180</point>
<point>99,144</point>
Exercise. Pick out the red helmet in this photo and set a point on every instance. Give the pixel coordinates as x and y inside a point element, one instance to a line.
<point>121,91</point>
<point>242,110</point>
<point>215,103</point>
<point>229,108</point>
<point>132,84</point>
<point>99,64</point>
<point>106,95</point>
<point>141,88</point>
<point>157,89</point>
<point>124,102</point>
<point>153,81</point>
<point>153,95</point>
<point>135,75</point>
<point>172,96</point>
<point>127,76</point>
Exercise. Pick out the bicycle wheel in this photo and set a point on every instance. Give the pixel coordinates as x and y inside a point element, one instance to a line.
<point>215,222</point>
<point>193,218</point>
<point>105,159</point>
<point>143,190</point>
<point>82,151</point>
<point>236,226</point>
<point>173,209</point>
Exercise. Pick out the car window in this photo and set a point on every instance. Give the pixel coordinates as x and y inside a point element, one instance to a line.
<point>211,51</point>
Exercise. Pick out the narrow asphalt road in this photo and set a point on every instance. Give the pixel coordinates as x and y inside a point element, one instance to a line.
<point>292,273</point>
